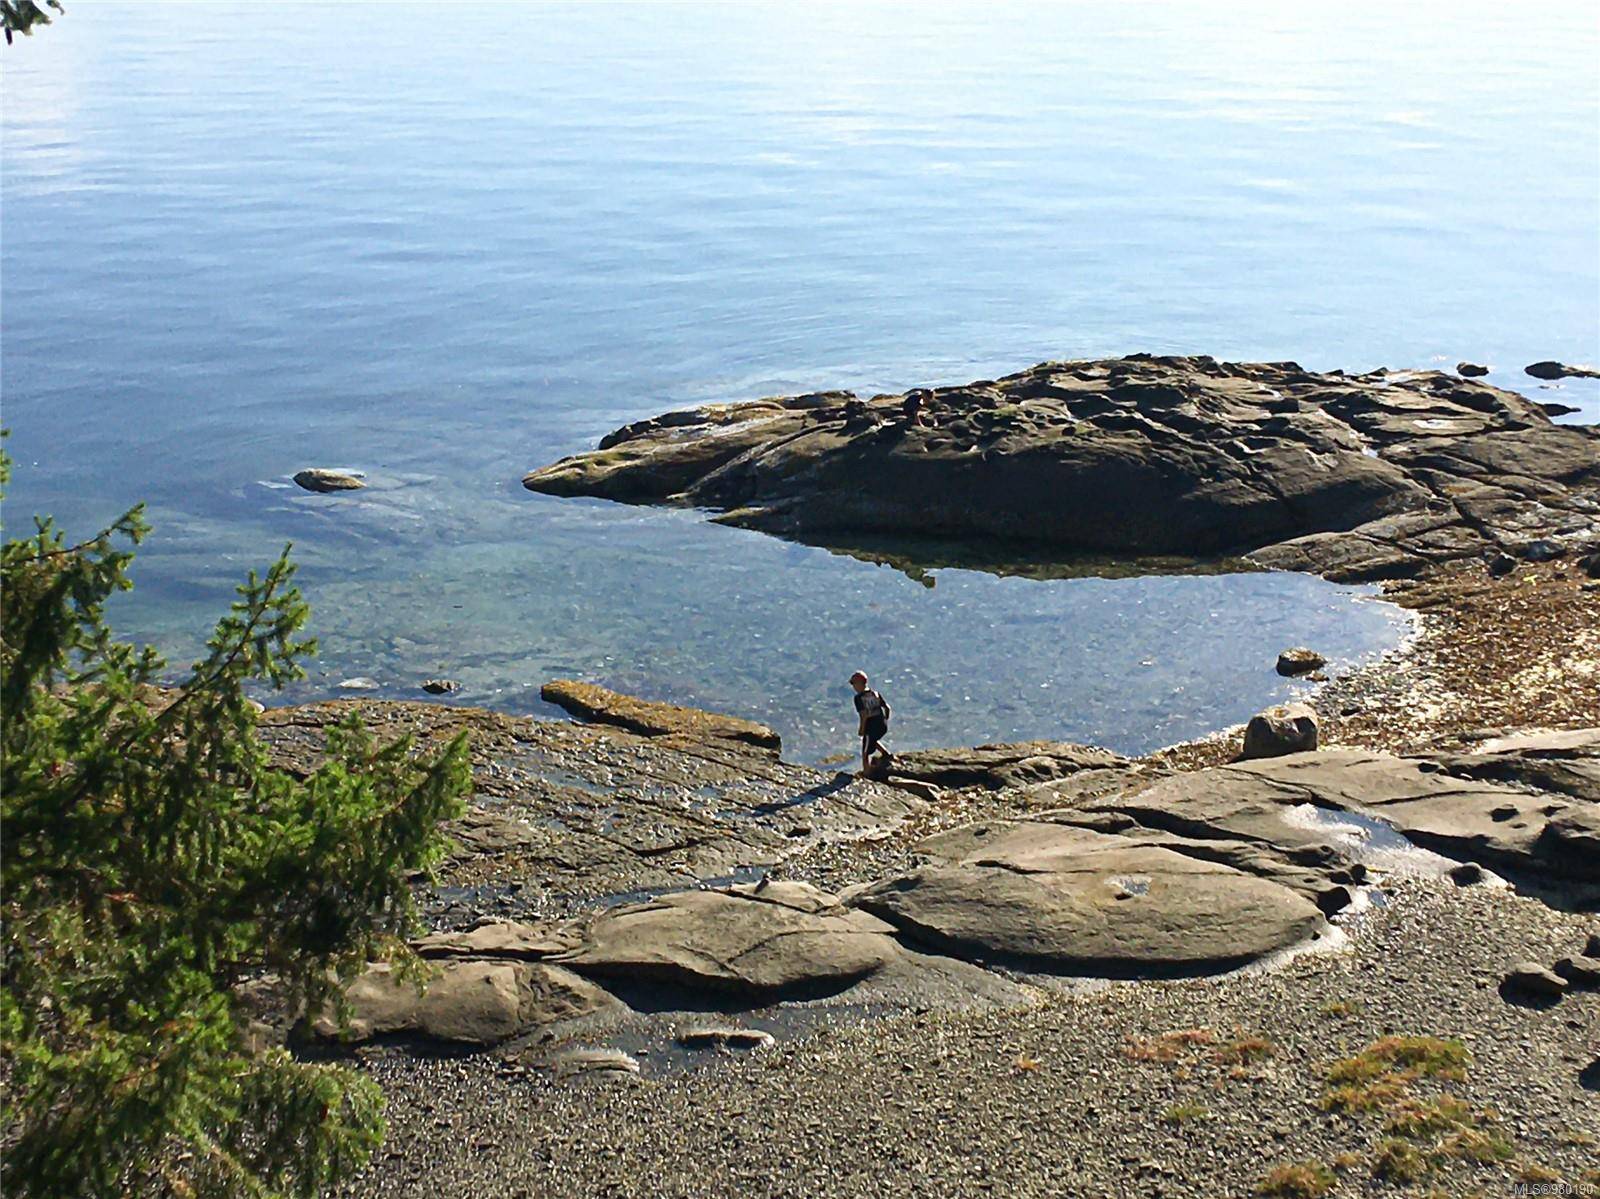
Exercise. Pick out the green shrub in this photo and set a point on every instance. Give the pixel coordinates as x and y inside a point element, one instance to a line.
<point>154,860</point>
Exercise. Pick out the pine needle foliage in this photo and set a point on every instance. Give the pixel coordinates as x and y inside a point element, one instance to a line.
<point>153,861</point>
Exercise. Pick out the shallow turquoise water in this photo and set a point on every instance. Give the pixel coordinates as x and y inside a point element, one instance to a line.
<point>446,251</point>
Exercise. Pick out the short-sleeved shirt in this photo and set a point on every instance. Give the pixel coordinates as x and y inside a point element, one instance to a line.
<point>870,704</point>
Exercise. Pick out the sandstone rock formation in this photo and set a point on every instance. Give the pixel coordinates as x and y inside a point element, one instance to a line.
<point>1352,476</point>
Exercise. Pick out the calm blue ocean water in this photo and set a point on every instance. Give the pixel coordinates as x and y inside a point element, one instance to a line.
<point>445,244</point>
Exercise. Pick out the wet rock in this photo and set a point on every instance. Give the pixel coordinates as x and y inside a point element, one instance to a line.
<point>441,686</point>
<point>1501,565</point>
<point>1553,409</point>
<point>1532,979</point>
<point>596,704</point>
<point>1285,729</point>
<point>1590,564</point>
<point>783,939</point>
<point>1355,477</point>
<point>1298,661</point>
<point>1579,970</point>
<point>1466,874</point>
<point>470,1002</point>
<point>1559,370</point>
<point>997,766</point>
<point>322,480</point>
<point>1073,900</point>
<point>1471,370</point>
<point>1591,948</point>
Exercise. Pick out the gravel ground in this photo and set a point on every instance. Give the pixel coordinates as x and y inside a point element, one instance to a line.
<point>1047,1101</point>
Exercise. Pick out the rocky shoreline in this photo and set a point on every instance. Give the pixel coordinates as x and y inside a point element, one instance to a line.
<point>669,963</point>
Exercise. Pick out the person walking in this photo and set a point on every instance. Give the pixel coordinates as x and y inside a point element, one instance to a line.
<point>872,712</point>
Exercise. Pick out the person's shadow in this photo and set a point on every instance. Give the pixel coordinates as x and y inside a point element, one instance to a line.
<point>833,786</point>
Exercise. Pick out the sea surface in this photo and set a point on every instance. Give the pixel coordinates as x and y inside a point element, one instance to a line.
<point>444,244</point>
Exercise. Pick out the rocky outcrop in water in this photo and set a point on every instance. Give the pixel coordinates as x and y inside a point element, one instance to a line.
<point>1560,370</point>
<point>320,479</point>
<point>1370,476</point>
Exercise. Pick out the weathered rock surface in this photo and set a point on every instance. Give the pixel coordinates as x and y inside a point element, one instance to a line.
<point>319,479</point>
<point>1065,899</point>
<point>1356,477</point>
<point>472,1002</point>
<point>1284,729</point>
<point>1471,370</point>
<point>599,705</point>
<point>1537,817</point>
<point>784,938</point>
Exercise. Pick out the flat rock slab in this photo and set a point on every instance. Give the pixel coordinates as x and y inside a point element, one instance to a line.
<point>785,939</point>
<point>596,704</point>
<point>1379,475</point>
<point>469,1002</point>
<point>1072,900</point>
<point>1016,764</point>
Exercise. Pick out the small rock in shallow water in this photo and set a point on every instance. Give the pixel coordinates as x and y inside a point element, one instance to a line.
<point>319,479</point>
<point>357,684</point>
<point>1299,661</point>
<point>1286,729</point>
<point>1530,978</point>
<point>734,1038</point>
<point>1559,409</point>
<point>1471,370</point>
<point>1560,370</point>
<point>441,686</point>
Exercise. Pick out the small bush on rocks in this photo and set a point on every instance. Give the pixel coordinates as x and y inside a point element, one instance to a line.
<point>1297,1180</point>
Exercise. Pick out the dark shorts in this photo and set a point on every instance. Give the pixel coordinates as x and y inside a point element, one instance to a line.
<point>877,729</point>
